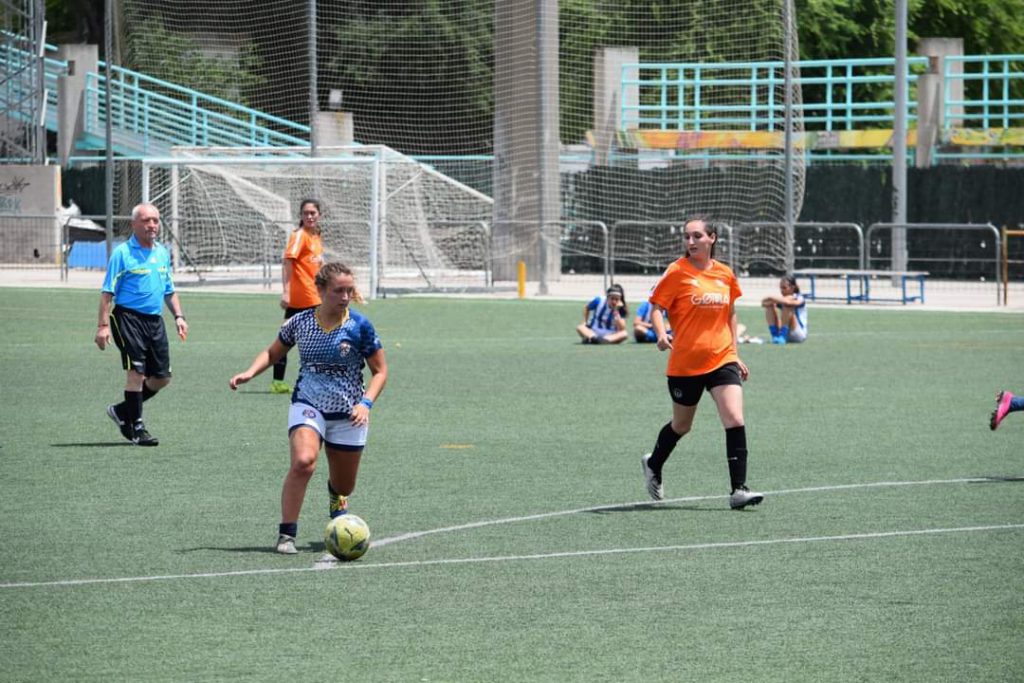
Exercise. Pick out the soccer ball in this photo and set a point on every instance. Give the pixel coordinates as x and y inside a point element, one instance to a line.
<point>347,537</point>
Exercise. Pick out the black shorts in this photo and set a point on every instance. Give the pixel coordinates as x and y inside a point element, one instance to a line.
<point>289,312</point>
<point>142,339</point>
<point>687,390</point>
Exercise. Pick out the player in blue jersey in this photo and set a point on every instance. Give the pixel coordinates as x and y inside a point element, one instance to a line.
<point>786,312</point>
<point>138,284</point>
<point>643,330</point>
<point>604,318</point>
<point>330,406</point>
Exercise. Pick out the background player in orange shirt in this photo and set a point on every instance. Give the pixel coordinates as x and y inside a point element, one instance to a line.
<point>699,294</point>
<point>299,265</point>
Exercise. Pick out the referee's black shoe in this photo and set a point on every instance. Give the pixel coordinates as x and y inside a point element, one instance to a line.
<point>141,437</point>
<point>126,429</point>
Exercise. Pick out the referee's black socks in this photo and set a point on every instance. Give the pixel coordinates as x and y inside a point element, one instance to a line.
<point>736,454</point>
<point>147,393</point>
<point>131,409</point>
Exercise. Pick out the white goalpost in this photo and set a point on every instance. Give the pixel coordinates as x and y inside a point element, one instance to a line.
<point>399,224</point>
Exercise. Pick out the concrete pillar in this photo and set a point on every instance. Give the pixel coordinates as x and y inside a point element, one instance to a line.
<point>610,96</point>
<point>334,129</point>
<point>526,140</point>
<point>929,113</point>
<point>954,88</point>
<point>81,60</point>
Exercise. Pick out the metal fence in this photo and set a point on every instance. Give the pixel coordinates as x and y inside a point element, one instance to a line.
<point>976,256</point>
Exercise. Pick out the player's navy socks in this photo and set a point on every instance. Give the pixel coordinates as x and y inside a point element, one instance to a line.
<point>288,529</point>
<point>773,330</point>
<point>147,393</point>
<point>736,454</point>
<point>667,440</point>
<point>131,409</point>
<point>784,331</point>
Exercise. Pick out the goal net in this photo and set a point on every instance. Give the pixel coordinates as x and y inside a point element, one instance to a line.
<point>399,223</point>
<point>424,79</point>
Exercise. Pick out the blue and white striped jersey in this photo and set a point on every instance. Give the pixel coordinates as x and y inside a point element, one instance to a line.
<point>602,316</point>
<point>332,361</point>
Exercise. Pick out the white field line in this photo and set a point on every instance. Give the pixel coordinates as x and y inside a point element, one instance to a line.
<point>690,499</point>
<point>554,555</point>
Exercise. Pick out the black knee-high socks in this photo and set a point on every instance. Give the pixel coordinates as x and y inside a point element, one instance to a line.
<point>667,440</point>
<point>279,369</point>
<point>130,409</point>
<point>736,454</point>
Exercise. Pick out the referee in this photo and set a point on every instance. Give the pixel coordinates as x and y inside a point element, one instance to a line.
<point>137,284</point>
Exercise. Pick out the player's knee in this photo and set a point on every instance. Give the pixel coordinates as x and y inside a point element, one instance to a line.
<point>303,467</point>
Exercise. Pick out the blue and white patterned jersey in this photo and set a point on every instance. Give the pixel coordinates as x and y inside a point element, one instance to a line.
<point>602,316</point>
<point>644,311</point>
<point>332,361</point>
<point>800,313</point>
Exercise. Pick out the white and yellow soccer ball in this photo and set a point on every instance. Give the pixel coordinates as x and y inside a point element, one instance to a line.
<point>347,537</point>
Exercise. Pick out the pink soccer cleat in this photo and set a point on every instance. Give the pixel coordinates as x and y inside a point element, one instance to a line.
<point>1003,399</point>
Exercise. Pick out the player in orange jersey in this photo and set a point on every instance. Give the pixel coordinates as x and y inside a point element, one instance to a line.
<point>301,261</point>
<point>699,294</point>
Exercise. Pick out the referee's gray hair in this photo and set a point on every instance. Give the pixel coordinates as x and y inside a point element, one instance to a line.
<point>138,207</point>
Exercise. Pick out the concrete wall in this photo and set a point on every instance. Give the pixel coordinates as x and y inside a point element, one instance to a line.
<point>29,199</point>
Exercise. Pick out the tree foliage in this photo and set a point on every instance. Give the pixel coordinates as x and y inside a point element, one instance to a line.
<point>177,58</point>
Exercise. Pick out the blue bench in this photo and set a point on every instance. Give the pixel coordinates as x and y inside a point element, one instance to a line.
<point>858,283</point>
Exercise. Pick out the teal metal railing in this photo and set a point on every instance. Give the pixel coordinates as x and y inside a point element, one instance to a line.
<point>851,94</point>
<point>150,115</point>
<point>157,115</point>
<point>993,88</point>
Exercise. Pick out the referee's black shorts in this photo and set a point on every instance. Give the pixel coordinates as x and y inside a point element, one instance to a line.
<point>142,339</point>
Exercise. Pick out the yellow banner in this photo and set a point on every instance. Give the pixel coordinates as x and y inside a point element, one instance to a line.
<point>821,140</point>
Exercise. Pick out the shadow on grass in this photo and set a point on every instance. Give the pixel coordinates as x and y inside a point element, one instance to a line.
<point>92,444</point>
<point>315,547</point>
<point>653,507</point>
<point>996,480</point>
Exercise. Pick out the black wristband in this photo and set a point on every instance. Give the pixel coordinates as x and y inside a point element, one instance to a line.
<point>180,316</point>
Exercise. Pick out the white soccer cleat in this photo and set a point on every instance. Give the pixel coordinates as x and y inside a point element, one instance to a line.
<point>286,545</point>
<point>742,497</point>
<point>654,486</point>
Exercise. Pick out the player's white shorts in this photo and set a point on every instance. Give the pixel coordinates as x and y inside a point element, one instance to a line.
<point>335,433</point>
<point>797,335</point>
<point>603,331</point>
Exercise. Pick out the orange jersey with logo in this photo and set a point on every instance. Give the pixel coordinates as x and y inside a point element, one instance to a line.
<point>699,305</point>
<point>305,250</point>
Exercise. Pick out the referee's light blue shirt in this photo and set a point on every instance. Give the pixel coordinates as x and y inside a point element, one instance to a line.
<point>139,278</point>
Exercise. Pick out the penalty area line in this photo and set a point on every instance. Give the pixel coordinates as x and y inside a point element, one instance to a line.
<point>722,545</point>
